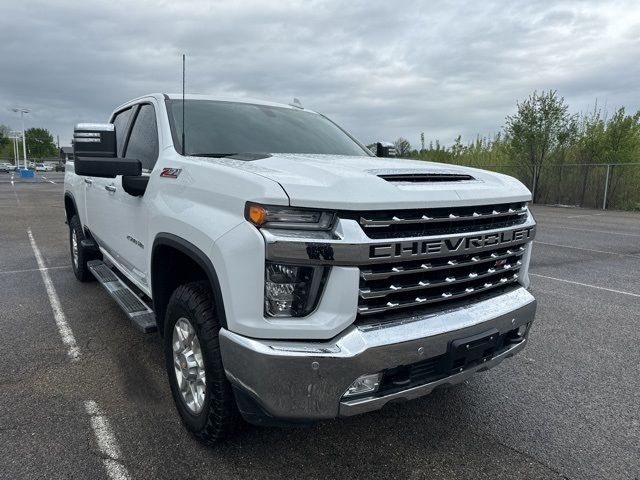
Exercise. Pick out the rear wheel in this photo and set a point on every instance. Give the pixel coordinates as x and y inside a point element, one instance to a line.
<point>201,391</point>
<point>79,254</point>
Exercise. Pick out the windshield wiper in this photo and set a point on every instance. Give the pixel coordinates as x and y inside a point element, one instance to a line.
<point>212,155</point>
<point>235,156</point>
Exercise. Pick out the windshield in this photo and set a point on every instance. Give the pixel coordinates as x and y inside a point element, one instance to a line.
<point>216,127</point>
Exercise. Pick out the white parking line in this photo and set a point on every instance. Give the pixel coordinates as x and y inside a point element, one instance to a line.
<point>586,285</point>
<point>610,232</point>
<point>587,249</point>
<point>61,320</point>
<point>586,215</point>
<point>27,270</point>
<point>15,194</point>
<point>559,217</point>
<point>50,181</point>
<point>107,442</point>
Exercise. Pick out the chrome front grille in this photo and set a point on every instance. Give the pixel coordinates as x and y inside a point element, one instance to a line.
<point>412,284</point>
<point>441,221</point>
<point>444,255</point>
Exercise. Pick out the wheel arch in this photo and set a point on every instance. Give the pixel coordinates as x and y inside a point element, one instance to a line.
<point>170,271</point>
<point>70,207</point>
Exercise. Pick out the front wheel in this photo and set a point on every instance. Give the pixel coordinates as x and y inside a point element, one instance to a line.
<point>200,389</point>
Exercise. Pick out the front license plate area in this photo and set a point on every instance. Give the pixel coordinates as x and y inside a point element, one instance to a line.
<point>470,351</point>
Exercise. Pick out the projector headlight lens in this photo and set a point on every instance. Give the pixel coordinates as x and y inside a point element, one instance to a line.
<point>292,291</point>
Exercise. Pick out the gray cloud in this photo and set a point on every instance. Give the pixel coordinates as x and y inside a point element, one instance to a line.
<point>380,70</point>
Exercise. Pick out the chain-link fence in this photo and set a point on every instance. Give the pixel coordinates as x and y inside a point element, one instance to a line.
<point>615,186</point>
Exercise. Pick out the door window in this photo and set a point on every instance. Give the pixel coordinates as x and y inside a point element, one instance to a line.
<point>143,140</point>
<point>120,121</point>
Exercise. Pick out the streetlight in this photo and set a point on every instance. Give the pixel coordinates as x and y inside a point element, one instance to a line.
<point>15,136</point>
<point>24,142</point>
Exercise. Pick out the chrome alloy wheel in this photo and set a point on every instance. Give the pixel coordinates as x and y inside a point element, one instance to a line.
<point>188,365</point>
<point>74,248</point>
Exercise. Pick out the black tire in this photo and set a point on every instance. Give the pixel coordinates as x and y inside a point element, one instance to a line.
<point>219,416</point>
<point>79,262</point>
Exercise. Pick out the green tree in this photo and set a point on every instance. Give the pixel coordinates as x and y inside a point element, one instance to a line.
<point>622,138</point>
<point>457,149</point>
<point>537,132</point>
<point>6,144</point>
<point>589,147</point>
<point>40,143</point>
<point>620,143</point>
<point>403,147</point>
<point>4,136</point>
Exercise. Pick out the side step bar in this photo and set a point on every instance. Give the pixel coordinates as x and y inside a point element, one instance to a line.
<point>138,312</point>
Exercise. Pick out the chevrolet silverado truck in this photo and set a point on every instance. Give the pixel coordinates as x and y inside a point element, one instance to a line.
<point>292,275</point>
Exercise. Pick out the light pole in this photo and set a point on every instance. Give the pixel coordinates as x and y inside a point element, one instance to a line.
<point>24,142</point>
<point>15,136</point>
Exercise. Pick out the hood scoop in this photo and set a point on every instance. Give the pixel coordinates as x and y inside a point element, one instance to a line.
<point>426,177</point>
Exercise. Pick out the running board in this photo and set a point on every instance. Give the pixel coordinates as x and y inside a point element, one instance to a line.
<point>138,312</point>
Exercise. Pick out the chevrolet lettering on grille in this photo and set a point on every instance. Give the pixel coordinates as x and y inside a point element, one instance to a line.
<point>424,248</point>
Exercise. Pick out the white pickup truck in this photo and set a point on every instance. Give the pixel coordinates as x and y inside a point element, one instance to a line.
<point>292,275</point>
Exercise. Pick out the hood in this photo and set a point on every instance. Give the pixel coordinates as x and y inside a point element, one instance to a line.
<point>372,183</point>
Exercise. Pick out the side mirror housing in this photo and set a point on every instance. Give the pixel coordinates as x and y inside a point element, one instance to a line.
<point>385,149</point>
<point>94,140</point>
<point>95,153</point>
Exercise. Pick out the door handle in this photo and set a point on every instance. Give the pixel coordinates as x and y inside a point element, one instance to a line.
<point>88,181</point>
<point>110,188</point>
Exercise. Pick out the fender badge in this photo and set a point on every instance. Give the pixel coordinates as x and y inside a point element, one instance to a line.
<point>170,172</point>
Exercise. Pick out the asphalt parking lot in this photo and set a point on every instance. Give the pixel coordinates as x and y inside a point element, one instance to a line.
<point>567,407</point>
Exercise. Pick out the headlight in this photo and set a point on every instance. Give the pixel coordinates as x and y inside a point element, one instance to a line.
<point>270,216</point>
<point>292,291</point>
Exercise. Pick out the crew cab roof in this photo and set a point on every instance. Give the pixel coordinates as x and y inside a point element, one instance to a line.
<point>178,96</point>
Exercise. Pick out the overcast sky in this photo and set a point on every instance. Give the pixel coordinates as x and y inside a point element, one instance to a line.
<point>380,69</point>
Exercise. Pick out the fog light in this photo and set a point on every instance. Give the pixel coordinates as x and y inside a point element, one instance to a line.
<point>364,384</point>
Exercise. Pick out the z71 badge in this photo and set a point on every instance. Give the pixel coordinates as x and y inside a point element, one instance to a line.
<point>170,172</point>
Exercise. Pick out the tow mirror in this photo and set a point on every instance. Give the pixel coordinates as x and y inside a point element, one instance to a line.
<point>95,153</point>
<point>95,140</point>
<point>385,149</point>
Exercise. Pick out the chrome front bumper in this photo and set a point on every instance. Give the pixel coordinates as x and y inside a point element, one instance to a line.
<point>297,381</point>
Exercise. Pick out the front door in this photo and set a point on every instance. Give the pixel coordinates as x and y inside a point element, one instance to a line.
<point>99,197</point>
<point>128,240</point>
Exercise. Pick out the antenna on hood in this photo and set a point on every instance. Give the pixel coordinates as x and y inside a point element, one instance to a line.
<point>183,124</point>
